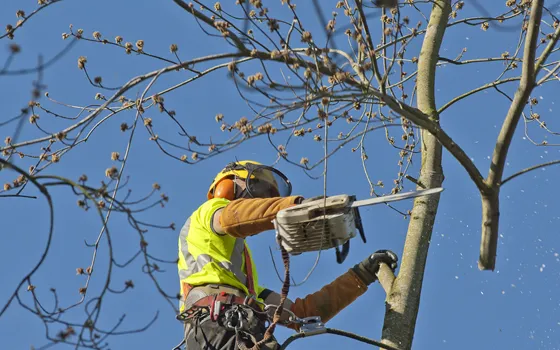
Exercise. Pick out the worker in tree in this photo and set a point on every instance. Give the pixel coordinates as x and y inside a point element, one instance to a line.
<point>222,304</point>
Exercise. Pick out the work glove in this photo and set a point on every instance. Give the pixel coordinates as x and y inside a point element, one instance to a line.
<point>367,269</point>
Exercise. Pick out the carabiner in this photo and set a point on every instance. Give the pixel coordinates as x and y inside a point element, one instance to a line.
<point>292,319</point>
<point>233,318</point>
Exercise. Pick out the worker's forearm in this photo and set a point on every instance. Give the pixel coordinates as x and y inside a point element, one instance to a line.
<point>331,299</point>
<point>248,216</point>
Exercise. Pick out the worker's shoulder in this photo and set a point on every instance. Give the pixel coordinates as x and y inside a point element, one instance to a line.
<point>210,206</point>
<point>201,218</point>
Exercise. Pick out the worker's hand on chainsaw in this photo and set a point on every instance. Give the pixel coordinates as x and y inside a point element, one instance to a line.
<point>367,269</point>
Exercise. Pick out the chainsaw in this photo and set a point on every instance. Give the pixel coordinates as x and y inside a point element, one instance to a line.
<point>329,222</point>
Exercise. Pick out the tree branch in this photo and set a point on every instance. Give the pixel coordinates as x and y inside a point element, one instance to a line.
<point>50,234</point>
<point>490,197</point>
<point>526,170</point>
<point>43,66</point>
<point>478,60</point>
<point>238,43</point>
<point>371,48</point>
<point>474,91</point>
<point>130,84</point>
<point>547,51</point>
<point>10,33</point>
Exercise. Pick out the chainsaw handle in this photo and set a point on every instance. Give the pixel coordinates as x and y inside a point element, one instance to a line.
<point>359,225</point>
<point>341,256</point>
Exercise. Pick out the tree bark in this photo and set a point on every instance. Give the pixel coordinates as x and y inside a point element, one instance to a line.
<point>403,301</point>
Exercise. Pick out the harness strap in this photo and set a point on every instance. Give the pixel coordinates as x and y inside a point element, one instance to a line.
<point>225,299</point>
<point>249,272</point>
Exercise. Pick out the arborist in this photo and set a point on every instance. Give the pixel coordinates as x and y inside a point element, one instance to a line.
<point>222,305</point>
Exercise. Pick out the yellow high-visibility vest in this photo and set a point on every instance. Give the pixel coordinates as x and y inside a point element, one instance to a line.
<point>206,257</point>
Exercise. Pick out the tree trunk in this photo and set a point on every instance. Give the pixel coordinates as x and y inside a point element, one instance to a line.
<point>403,301</point>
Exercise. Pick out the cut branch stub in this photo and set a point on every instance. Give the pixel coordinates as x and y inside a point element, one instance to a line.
<point>490,222</point>
<point>386,277</point>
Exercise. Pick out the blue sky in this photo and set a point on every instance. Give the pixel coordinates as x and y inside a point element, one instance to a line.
<point>514,307</point>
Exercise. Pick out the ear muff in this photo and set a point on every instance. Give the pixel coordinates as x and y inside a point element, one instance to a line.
<point>225,189</point>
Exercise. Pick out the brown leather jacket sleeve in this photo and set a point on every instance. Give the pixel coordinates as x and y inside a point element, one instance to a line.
<point>248,216</point>
<point>331,299</point>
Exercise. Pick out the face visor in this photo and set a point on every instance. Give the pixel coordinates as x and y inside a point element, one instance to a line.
<point>261,181</point>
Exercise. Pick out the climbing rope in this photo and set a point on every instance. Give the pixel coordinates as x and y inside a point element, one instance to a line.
<point>336,332</point>
<point>279,309</point>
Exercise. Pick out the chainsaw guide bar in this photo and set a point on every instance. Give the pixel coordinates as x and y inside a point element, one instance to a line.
<point>329,222</point>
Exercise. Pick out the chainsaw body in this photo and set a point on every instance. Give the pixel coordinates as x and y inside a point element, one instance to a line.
<point>319,225</point>
<point>329,223</point>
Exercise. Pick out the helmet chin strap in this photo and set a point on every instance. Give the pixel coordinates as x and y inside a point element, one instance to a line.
<point>245,194</point>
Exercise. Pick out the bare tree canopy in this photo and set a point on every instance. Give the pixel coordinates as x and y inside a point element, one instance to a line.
<point>116,115</point>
